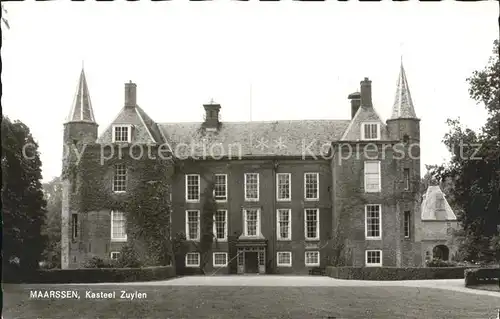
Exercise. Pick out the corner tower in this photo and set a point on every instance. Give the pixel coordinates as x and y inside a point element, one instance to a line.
<point>404,129</point>
<point>80,129</point>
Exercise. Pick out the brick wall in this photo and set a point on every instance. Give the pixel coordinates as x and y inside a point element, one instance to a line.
<point>235,171</point>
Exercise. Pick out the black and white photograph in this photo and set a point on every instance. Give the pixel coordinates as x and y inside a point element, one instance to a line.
<point>250,159</point>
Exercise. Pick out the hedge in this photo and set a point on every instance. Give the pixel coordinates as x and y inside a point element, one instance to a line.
<point>395,273</point>
<point>482,276</point>
<point>92,275</point>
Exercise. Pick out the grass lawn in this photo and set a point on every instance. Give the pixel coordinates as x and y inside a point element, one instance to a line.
<point>252,302</point>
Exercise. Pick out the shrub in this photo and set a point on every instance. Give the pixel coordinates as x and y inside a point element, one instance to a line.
<point>94,275</point>
<point>96,262</point>
<point>128,258</point>
<point>480,276</point>
<point>440,263</point>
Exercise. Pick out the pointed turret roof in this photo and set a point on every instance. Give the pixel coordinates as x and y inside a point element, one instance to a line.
<point>403,104</point>
<point>81,110</point>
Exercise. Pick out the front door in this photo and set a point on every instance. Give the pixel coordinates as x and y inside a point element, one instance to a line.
<point>251,262</point>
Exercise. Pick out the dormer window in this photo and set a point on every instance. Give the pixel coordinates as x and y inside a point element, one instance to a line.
<point>122,133</point>
<point>370,131</point>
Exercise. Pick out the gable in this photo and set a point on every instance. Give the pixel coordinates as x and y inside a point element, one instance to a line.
<point>141,133</point>
<point>364,114</point>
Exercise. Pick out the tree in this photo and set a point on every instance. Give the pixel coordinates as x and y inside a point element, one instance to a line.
<point>475,165</point>
<point>22,196</point>
<point>5,22</point>
<point>52,226</point>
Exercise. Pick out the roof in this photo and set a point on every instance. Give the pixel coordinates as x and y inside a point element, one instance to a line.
<point>150,125</point>
<point>435,206</point>
<point>273,138</point>
<point>403,104</point>
<point>81,109</point>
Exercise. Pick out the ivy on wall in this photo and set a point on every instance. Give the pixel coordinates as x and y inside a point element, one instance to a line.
<point>146,202</point>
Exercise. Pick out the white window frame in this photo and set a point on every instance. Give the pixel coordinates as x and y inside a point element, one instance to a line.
<point>187,188</point>
<point>129,133</point>
<point>289,198</point>
<point>225,225</point>
<point>311,264</point>
<point>118,239</point>
<point>115,253</point>
<point>373,264</point>
<point>188,237</point>
<point>278,259</point>
<point>317,187</point>
<point>278,228</point>
<point>258,188</point>
<point>192,265</point>
<point>317,224</point>
<point>225,187</point>
<point>363,131</point>
<point>115,168</point>
<point>219,253</point>
<point>245,228</point>
<point>379,222</point>
<point>379,177</point>
<point>407,223</point>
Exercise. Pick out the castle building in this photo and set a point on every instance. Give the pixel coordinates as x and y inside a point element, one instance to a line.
<point>290,195</point>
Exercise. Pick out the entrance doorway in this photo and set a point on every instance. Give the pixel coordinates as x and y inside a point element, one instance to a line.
<point>251,262</point>
<point>441,252</point>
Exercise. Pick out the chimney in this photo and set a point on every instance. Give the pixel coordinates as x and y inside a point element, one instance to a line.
<point>211,122</point>
<point>130,94</point>
<point>355,102</point>
<point>366,92</point>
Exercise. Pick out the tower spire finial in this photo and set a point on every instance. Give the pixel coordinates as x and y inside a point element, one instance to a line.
<point>81,110</point>
<point>403,104</point>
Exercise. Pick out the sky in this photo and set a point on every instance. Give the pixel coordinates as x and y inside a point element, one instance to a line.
<point>288,60</point>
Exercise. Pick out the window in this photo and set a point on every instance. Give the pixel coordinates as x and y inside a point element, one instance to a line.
<point>122,133</point>
<point>192,188</point>
<point>406,179</point>
<point>373,225</point>
<point>284,259</point>
<point>407,223</point>
<point>312,258</point>
<point>118,226</point>
<point>74,226</point>
<point>311,186</point>
<point>193,225</point>
<point>311,216</point>
<point>251,186</point>
<point>284,224</point>
<point>370,131</point>
<point>373,258</point>
<point>220,259</point>
<point>193,260</point>
<point>283,189</point>
<point>220,225</point>
<point>252,222</point>
<point>115,255</point>
<point>220,187</point>
<point>372,176</point>
<point>120,179</point>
